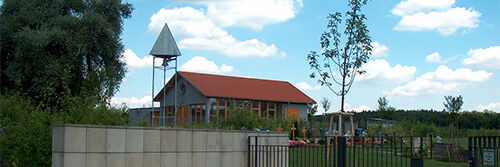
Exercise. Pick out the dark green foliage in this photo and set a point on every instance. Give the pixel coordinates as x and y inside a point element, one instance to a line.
<point>420,121</point>
<point>384,109</point>
<point>53,48</point>
<point>26,138</point>
<point>453,104</point>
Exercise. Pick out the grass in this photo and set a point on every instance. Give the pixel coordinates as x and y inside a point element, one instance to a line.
<point>369,157</point>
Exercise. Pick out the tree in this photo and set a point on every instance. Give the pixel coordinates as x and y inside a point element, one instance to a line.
<point>384,109</point>
<point>325,103</point>
<point>453,105</point>
<point>310,115</point>
<point>346,57</point>
<point>52,48</point>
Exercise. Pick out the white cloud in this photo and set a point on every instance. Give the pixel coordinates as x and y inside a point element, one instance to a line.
<point>131,102</point>
<point>132,61</point>
<point>488,58</point>
<point>348,107</point>
<point>379,50</point>
<point>490,107</point>
<point>306,86</point>
<point>197,31</point>
<point>434,57</point>
<point>250,13</point>
<point>440,81</point>
<point>413,6</point>
<point>429,15</point>
<point>380,71</point>
<point>202,64</point>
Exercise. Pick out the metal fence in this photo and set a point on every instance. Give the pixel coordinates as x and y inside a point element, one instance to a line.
<point>484,151</point>
<point>332,151</point>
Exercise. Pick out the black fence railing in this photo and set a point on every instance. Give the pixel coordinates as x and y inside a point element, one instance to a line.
<point>484,151</point>
<point>338,151</point>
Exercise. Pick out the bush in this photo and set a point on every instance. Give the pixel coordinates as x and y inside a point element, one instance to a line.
<point>26,138</point>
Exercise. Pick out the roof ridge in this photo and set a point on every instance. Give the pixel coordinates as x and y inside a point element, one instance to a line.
<point>234,76</point>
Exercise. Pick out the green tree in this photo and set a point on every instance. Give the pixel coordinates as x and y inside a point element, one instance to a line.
<point>339,62</point>
<point>453,105</point>
<point>385,110</point>
<point>53,48</point>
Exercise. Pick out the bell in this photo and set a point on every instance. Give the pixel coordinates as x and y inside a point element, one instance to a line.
<point>165,62</point>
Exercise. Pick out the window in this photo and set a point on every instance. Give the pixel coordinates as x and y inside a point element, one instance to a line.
<point>272,110</point>
<point>239,104</point>
<point>279,110</point>
<point>247,105</point>
<point>229,105</point>
<point>197,112</point>
<point>263,109</point>
<point>255,107</point>
<point>213,110</point>
<point>221,107</point>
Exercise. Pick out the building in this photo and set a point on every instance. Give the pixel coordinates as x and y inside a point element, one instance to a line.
<point>205,97</point>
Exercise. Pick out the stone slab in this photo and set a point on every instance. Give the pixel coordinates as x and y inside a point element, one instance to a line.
<point>213,141</point>
<point>226,139</point>
<point>213,159</point>
<point>152,159</point>
<point>184,160</point>
<point>200,160</point>
<point>184,141</point>
<point>238,159</point>
<point>134,159</point>
<point>115,159</point>
<point>134,140</point>
<point>115,141</point>
<point>74,139</point>
<point>199,141</point>
<point>58,139</point>
<point>239,141</point>
<point>168,140</point>
<point>152,141</point>
<point>95,159</point>
<point>226,159</point>
<point>169,159</point>
<point>74,159</point>
<point>96,140</point>
<point>57,159</point>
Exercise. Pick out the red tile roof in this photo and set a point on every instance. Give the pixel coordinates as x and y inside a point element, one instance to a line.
<point>211,85</point>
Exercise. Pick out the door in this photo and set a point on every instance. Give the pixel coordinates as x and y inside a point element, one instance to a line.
<point>292,113</point>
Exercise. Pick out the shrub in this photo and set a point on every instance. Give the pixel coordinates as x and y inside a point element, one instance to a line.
<point>26,138</point>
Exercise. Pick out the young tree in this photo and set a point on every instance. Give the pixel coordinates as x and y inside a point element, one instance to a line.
<point>53,48</point>
<point>453,105</point>
<point>339,62</point>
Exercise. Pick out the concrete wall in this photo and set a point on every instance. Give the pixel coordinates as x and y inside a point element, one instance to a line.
<point>110,146</point>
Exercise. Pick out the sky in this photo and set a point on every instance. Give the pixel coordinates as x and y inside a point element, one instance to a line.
<point>423,50</point>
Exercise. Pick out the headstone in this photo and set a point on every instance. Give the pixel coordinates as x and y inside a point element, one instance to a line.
<point>489,156</point>
<point>315,132</point>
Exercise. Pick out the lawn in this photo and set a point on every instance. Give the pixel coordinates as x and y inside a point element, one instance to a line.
<point>369,157</point>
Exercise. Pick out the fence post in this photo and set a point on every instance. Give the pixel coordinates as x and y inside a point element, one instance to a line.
<point>341,151</point>
<point>471,155</point>
<point>327,141</point>
<point>249,151</point>
<point>256,152</point>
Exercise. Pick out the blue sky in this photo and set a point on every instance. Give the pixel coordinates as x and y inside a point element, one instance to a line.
<point>423,49</point>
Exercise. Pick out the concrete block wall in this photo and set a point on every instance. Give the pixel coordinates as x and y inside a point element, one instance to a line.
<point>119,146</point>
